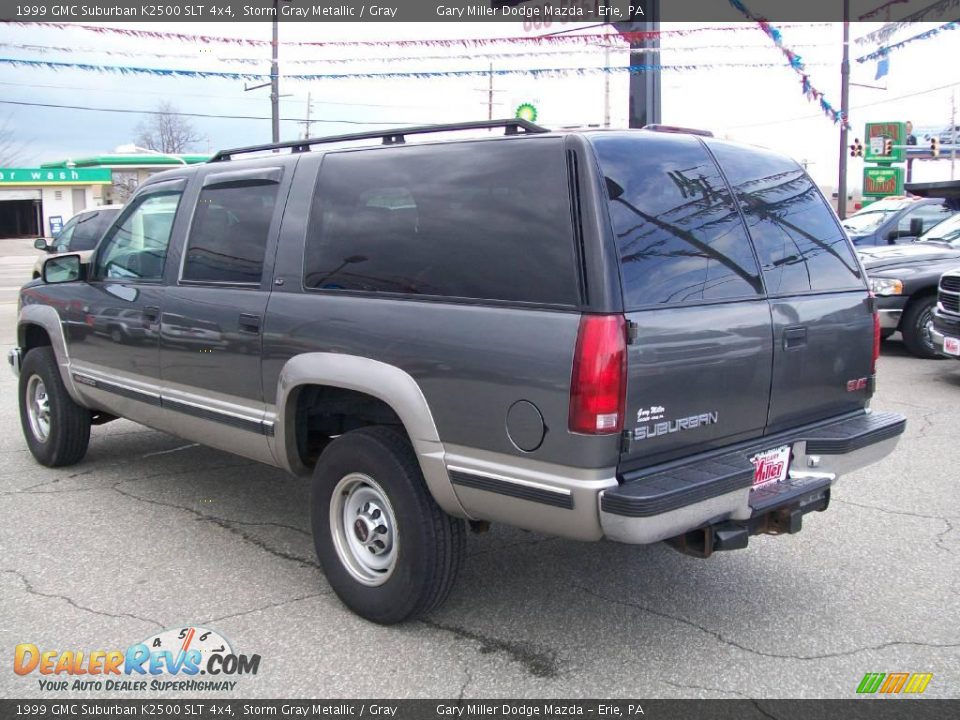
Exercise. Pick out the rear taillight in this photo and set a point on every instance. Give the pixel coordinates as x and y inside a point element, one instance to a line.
<point>876,338</point>
<point>599,383</point>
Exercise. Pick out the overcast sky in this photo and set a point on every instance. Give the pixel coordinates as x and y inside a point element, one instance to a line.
<point>762,105</point>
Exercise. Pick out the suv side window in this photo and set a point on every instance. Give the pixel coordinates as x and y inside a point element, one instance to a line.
<point>484,220</point>
<point>135,248</point>
<point>88,231</point>
<point>228,236</point>
<point>678,231</point>
<point>797,236</point>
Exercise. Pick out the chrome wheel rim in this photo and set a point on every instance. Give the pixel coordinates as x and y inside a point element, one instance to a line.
<point>364,529</point>
<point>38,408</point>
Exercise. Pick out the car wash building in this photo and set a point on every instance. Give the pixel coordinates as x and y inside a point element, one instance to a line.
<point>36,202</point>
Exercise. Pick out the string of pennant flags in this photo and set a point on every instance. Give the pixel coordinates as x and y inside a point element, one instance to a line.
<point>633,36</point>
<point>796,63</point>
<point>887,49</point>
<point>566,52</point>
<point>231,75</point>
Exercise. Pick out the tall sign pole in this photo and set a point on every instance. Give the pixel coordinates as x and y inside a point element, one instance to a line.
<point>275,76</point>
<point>844,110</point>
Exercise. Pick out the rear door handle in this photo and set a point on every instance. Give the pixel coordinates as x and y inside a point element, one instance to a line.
<point>249,323</point>
<point>151,313</point>
<point>794,337</point>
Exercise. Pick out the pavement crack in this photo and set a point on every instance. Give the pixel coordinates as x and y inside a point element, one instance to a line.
<point>269,606</point>
<point>28,586</point>
<point>468,678</point>
<point>227,525</point>
<point>730,642</point>
<point>939,541</point>
<point>538,662</point>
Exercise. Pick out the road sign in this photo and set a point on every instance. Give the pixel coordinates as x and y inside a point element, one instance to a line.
<point>877,135</point>
<point>882,181</point>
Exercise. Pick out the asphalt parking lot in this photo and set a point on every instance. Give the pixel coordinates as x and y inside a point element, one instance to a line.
<point>152,532</point>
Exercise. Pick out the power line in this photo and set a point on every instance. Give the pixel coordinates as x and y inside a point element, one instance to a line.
<point>853,107</point>
<point>203,115</point>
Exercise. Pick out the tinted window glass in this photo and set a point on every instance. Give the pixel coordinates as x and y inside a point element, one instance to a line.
<point>488,220</point>
<point>680,236</point>
<point>90,229</point>
<point>798,239</point>
<point>136,247</point>
<point>228,237</point>
<point>929,214</point>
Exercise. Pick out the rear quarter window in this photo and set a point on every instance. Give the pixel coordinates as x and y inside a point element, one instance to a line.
<point>480,220</point>
<point>798,239</point>
<point>678,232</point>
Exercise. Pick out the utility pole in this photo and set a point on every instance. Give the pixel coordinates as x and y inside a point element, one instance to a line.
<point>275,75</point>
<point>844,106</point>
<point>490,94</point>
<point>308,122</point>
<point>953,131</point>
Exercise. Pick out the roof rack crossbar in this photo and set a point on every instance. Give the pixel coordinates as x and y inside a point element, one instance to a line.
<point>395,136</point>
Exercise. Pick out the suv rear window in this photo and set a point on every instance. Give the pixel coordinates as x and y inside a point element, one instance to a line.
<point>678,231</point>
<point>483,220</point>
<point>797,236</point>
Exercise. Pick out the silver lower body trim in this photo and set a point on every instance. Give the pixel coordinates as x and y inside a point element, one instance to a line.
<point>15,358</point>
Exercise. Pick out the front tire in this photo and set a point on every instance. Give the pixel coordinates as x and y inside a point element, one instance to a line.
<point>388,550</point>
<point>915,328</point>
<point>57,430</point>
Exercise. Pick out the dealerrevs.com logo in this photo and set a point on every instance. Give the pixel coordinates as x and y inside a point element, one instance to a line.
<point>172,660</point>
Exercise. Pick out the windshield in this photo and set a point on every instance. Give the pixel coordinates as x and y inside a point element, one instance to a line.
<point>866,221</point>
<point>947,231</point>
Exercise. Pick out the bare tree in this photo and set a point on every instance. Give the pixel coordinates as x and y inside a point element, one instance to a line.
<point>166,131</point>
<point>11,148</point>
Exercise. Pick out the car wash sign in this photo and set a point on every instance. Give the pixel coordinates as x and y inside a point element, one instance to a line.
<point>54,176</point>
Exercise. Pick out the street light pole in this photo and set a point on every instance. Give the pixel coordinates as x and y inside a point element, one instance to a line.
<point>844,106</point>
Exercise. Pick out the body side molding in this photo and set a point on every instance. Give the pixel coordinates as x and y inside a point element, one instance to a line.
<point>380,380</point>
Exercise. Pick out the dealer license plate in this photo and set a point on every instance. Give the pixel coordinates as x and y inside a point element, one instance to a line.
<point>951,346</point>
<point>771,466</point>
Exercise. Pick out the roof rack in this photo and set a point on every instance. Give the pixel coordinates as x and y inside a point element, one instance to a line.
<point>677,129</point>
<point>395,136</point>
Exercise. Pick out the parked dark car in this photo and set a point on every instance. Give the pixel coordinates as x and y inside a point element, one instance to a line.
<point>905,277</point>
<point>946,318</point>
<point>896,220</point>
<point>634,335</point>
<point>81,233</point>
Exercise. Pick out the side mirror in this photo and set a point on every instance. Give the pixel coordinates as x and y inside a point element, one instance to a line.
<point>63,269</point>
<point>41,244</point>
<point>916,227</point>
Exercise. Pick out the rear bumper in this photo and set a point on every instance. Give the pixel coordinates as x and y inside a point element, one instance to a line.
<point>715,492</point>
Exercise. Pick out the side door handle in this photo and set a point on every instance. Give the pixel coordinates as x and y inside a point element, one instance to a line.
<point>794,337</point>
<point>151,313</point>
<point>249,323</point>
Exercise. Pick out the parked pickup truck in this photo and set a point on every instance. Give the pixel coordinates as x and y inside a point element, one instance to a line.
<point>904,277</point>
<point>946,318</point>
<point>635,335</point>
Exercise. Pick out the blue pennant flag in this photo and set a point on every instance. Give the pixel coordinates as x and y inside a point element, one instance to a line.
<point>883,67</point>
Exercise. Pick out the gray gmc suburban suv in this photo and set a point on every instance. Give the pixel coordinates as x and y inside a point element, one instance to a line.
<point>635,335</point>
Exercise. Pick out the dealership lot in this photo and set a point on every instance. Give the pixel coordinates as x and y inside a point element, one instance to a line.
<point>151,532</point>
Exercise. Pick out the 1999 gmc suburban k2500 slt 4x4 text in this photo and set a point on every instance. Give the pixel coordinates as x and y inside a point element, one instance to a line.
<point>634,335</point>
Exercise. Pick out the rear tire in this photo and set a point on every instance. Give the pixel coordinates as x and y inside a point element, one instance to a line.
<point>57,430</point>
<point>915,328</point>
<point>388,550</point>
